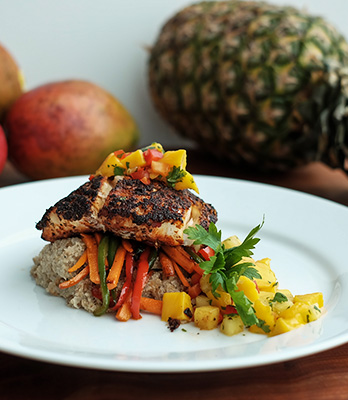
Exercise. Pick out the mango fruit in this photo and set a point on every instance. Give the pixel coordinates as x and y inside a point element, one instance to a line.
<point>3,149</point>
<point>11,81</point>
<point>67,128</point>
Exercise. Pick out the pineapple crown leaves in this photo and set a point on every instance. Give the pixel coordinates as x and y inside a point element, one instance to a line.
<point>226,266</point>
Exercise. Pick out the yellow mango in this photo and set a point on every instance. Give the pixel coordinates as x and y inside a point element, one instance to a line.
<point>284,325</point>
<point>268,281</point>
<point>176,305</point>
<point>176,157</point>
<point>207,317</point>
<point>265,313</point>
<point>134,159</point>
<point>186,182</point>
<point>108,166</point>
<point>205,283</point>
<point>231,325</point>
<point>202,300</point>
<point>223,300</point>
<point>302,312</point>
<point>311,298</point>
<point>248,287</point>
<point>232,241</point>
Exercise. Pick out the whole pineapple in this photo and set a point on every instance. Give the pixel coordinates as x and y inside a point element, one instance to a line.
<point>253,82</point>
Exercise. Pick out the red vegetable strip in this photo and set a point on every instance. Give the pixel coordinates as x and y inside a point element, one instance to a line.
<point>206,252</point>
<point>143,268</point>
<point>180,274</point>
<point>76,279</point>
<point>79,263</point>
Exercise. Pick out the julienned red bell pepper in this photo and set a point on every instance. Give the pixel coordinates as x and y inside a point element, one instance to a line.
<point>206,252</point>
<point>140,280</point>
<point>128,282</point>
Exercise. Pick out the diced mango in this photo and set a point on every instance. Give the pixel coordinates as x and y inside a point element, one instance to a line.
<point>265,313</point>
<point>154,145</point>
<point>205,284</point>
<point>108,166</point>
<point>231,325</point>
<point>268,282</point>
<point>176,305</point>
<point>186,182</point>
<point>207,317</point>
<point>202,300</point>
<point>284,325</point>
<point>248,287</point>
<point>303,312</point>
<point>134,159</point>
<point>176,157</point>
<point>232,241</point>
<point>311,298</point>
<point>223,300</point>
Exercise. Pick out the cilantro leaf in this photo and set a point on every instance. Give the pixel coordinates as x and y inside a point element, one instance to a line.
<point>118,171</point>
<point>225,267</point>
<point>279,297</point>
<point>175,175</point>
<point>199,235</point>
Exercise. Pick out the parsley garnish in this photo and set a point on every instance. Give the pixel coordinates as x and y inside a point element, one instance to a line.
<point>223,269</point>
<point>118,171</point>
<point>175,175</point>
<point>279,297</point>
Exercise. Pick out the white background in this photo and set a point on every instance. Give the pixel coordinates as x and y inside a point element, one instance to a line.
<point>104,41</point>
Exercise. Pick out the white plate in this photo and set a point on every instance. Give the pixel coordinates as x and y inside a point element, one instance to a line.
<point>305,237</point>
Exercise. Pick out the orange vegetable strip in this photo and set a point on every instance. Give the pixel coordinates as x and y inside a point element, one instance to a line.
<point>76,279</point>
<point>152,306</point>
<point>167,265</point>
<point>194,290</point>
<point>127,245</point>
<point>124,313</point>
<point>180,274</point>
<point>98,237</point>
<point>79,263</point>
<point>198,269</point>
<point>116,268</point>
<point>92,257</point>
<point>179,255</point>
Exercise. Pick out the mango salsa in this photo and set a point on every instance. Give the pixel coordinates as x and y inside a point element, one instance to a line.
<point>177,305</point>
<point>150,163</point>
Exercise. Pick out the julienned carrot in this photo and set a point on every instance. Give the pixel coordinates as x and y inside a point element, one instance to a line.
<point>181,257</point>
<point>124,313</point>
<point>127,245</point>
<point>92,257</point>
<point>98,237</point>
<point>167,265</point>
<point>152,306</point>
<point>127,286</point>
<point>76,279</point>
<point>194,290</point>
<point>79,263</point>
<point>180,274</point>
<point>116,268</point>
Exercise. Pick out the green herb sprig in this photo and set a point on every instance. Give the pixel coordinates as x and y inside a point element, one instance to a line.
<point>226,267</point>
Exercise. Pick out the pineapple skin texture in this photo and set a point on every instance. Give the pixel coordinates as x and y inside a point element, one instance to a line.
<point>251,82</point>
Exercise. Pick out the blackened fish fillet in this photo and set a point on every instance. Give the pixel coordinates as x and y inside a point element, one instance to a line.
<point>152,213</point>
